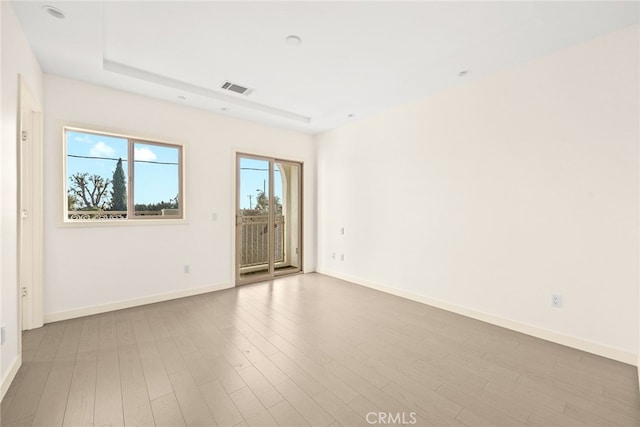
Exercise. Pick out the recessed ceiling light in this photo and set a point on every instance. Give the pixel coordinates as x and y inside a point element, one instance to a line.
<point>293,40</point>
<point>182,98</point>
<point>224,109</point>
<point>463,73</point>
<point>54,11</point>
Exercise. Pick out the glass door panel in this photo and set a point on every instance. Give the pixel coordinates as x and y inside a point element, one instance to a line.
<point>288,227</point>
<point>268,218</point>
<point>253,219</point>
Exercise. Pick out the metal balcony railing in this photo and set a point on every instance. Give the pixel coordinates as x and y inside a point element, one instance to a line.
<point>93,215</point>
<point>254,240</point>
<point>97,215</point>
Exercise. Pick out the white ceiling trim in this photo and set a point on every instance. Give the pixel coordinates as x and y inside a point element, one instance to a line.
<point>150,77</point>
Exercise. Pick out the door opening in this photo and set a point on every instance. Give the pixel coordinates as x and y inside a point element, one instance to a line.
<point>268,218</point>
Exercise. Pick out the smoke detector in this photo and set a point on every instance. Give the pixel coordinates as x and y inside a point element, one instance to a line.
<point>233,87</point>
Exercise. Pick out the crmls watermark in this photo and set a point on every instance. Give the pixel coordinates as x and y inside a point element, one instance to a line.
<point>391,418</point>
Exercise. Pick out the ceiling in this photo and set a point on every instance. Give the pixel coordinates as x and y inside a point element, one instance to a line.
<point>355,58</point>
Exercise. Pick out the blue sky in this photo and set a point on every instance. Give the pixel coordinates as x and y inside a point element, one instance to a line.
<point>254,174</point>
<point>154,182</point>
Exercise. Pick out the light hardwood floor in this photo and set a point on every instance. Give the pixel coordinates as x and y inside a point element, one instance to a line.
<point>307,350</point>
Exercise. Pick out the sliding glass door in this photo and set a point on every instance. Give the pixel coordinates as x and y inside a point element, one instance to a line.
<point>268,218</point>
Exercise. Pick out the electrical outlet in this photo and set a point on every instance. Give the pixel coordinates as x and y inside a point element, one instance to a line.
<point>341,257</point>
<point>3,334</point>
<point>556,301</point>
<point>342,231</point>
<point>333,255</point>
<point>186,269</point>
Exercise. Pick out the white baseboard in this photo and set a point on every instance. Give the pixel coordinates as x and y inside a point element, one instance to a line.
<point>11,374</point>
<point>558,338</point>
<point>119,305</point>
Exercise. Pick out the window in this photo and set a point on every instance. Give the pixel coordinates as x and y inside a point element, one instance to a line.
<point>111,177</point>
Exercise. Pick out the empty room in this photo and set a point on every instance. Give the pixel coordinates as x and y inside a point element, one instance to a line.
<point>323,213</point>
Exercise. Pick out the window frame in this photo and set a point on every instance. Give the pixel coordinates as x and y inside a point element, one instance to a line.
<point>131,218</point>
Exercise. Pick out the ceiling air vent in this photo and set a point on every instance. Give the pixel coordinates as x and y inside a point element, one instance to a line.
<point>236,88</point>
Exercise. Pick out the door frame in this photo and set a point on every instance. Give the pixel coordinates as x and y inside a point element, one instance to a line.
<point>30,239</point>
<point>236,280</point>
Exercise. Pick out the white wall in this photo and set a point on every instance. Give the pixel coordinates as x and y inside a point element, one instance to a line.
<point>490,197</point>
<point>17,58</point>
<point>94,266</point>
<point>2,373</point>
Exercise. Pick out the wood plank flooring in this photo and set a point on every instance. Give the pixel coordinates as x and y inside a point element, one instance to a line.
<point>307,350</point>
